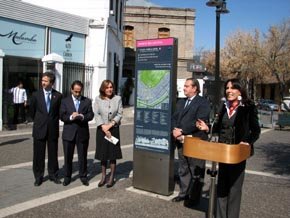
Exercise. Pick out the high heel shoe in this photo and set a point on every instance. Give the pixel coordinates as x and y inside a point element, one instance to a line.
<point>110,184</point>
<point>102,183</point>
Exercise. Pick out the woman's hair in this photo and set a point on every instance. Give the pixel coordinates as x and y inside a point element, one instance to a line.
<point>103,87</point>
<point>239,86</point>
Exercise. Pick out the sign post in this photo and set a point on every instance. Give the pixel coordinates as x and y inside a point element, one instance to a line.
<point>156,65</point>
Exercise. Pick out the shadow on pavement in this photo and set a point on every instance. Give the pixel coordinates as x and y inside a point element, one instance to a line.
<point>278,156</point>
<point>14,141</point>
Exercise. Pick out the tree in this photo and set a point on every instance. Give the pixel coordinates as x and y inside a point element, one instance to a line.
<point>274,53</point>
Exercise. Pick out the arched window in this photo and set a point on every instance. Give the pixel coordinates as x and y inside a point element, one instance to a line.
<point>128,36</point>
<point>163,32</point>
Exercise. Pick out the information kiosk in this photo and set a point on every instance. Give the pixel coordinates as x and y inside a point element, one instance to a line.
<point>155,76</point>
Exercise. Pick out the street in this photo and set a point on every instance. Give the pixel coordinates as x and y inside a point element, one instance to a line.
<point>266,191</point>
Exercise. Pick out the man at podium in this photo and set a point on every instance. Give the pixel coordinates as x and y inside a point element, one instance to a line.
<point>188,111</point>
<point>237,124</point>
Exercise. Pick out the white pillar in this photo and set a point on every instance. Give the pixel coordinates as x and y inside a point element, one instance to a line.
<point>58,61</point>
<point>1,87</point>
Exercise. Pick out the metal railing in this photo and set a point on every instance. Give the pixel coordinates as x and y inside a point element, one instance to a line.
<point>77,71</point>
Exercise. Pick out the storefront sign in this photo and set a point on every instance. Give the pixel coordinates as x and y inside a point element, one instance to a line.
<point>21,39</point>
<point>71,46</point>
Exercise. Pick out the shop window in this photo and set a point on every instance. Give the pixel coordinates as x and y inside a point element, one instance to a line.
<point>163,32</point>
<point>129,37</point>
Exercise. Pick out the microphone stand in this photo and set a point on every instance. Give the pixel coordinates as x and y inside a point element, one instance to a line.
<point>213,173</point>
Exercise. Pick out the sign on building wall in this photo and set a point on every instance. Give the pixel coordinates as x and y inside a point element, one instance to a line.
<point>69,45</point>
<point>21,39</point>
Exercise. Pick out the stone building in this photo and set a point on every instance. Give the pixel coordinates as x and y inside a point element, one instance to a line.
<point>147,22</point>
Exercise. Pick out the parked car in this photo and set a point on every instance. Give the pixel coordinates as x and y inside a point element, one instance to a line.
<point>285,105</point>
<point>267,104</point>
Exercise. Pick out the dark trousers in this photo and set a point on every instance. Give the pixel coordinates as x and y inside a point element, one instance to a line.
<point>82,149</point>
<point>229,189</point>
<point>197,168</point>
<point>19,109</point>
<point>39,147</point>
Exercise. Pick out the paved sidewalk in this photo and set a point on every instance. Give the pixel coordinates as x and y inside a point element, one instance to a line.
<point>266,191</point>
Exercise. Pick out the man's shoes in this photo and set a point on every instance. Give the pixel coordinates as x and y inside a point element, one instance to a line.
<point>55,180</point>
<point>66,182</point>
<point>179,198</point>
<point>85,181</point>
<point>38,182</point>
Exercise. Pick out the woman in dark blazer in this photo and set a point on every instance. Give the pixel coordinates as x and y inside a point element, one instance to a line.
<point>108,114</point>
<point>237,123</point>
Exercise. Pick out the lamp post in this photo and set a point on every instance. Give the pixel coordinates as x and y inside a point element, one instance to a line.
<point>220,9</point>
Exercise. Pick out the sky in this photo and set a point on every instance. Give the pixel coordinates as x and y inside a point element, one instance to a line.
<point>245,15</point>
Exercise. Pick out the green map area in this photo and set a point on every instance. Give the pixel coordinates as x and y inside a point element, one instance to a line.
<point>153,88</point>
<point>152,78</point>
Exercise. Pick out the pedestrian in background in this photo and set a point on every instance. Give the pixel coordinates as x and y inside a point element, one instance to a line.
<point>108,114</point>
<point>187,112</point>
<point>19,102</point>
<point>76,111</point>
<point>44,111</point>
<point>237,123</point>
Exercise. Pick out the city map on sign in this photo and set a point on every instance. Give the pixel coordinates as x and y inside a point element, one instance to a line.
<point>153,89</point>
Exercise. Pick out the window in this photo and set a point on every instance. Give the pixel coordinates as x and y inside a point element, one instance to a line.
<point>163,32</point>
<point>129,37</point>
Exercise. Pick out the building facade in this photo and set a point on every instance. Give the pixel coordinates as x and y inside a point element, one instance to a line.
<point>156,22</point>
<point>90,45</point>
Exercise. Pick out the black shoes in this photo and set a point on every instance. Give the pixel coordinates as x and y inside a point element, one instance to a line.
<point>66,181</point>
<point>85,181</point>
<point>38,182</point>
<point>102,183</point>
<point>55,180</point>
<point>179,198</point>
<point>110,184</point>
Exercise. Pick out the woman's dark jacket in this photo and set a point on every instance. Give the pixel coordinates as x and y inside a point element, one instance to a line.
<point>246,125</point>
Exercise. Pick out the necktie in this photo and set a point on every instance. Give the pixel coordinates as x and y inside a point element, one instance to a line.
<point>47,101</point>
<point>187,102</point>
<point>77,104</point>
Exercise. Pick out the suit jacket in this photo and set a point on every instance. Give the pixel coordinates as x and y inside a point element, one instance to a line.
<point>246,124</point>
<point>108,110</point>
<point>44,122</point>
<point>185,118</point>
<point>80,126</point>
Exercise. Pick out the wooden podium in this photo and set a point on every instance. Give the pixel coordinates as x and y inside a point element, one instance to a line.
<point>215,151</point>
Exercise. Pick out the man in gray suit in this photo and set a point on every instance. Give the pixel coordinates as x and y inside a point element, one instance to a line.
<point>76,111</point>
<point>188,111</point>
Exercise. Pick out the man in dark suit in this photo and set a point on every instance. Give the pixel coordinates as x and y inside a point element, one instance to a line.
<point>44,110</point>
<point>184,123</point>
<point>76,111</point>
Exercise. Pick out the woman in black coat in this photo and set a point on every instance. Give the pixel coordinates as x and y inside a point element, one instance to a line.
<point>237,123</point>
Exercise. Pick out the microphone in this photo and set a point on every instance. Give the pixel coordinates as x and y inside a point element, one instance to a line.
<point>212,125</point>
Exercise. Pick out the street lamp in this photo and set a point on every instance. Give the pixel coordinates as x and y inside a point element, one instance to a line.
<point>221,8</point>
